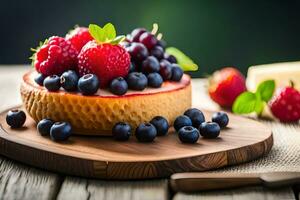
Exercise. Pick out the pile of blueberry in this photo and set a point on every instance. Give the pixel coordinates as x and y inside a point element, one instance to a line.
<point>188,126</point>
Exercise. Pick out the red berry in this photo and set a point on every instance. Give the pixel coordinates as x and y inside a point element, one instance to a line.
<point>79,37</point>
<point>55,56</point>
<point>225,85</point>
<point>105,60</point>
<point>136,33</point>
<point>285,105</point>
<point>148,40</point>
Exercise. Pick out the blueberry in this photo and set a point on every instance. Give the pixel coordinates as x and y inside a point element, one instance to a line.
<point>52,83</point>
<point>154,80</point>
<point>177,73</point>
<point>137,51</point>
<point>145,132</point>
<point>44,126</point>
<point>60,131</point>
<point>39,79</point>
<point>209,130</point>
<point>88,84</point>
<point>188,134</point>
<point>161,125</point>
<point>69,80</point>
<point>196,116</point>
<point>157,52</point>
<point>150,64</point>
<point>182,121</point>
<point>170,58</point>
<point>220,118</point>
<point>121,131</point>
<point>137,81</point>
<point>118,86</point>
<point>161,43</point>
<point>15,118</point>
<point>165,69</point>
<point>132,67</point>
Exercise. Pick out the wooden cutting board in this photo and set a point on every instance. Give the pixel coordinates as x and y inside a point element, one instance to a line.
<point>102,157</point>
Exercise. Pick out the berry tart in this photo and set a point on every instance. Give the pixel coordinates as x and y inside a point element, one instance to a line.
<point>93,79</point>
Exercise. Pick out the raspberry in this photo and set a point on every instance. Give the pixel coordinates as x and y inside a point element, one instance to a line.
<point>55,56</point>
<point>285,105</point>
<point>79,37</point>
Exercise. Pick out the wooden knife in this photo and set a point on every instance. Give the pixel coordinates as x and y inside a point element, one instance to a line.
<point>199,181</point>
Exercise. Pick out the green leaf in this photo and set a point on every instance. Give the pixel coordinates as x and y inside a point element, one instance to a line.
<point>266,89</point>
<point>109,31</point>
<point>183,60</point>
<point>97,33</point>
<point>247,102</point>
<point>117,40</point>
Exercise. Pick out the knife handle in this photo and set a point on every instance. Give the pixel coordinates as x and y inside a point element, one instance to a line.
<point>193,182</point>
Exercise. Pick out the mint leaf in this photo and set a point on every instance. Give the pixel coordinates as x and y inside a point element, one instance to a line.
<point>183,60</point>
<point>97,33</point>
<point>247,102</point>
<point>109,31</point>
<point>117,40</point>
<point>266,89</point>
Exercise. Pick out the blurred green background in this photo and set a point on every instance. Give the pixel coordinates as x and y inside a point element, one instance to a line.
<point>213,33</point>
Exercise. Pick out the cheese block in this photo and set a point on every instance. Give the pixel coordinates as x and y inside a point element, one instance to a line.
<point>282,73</point>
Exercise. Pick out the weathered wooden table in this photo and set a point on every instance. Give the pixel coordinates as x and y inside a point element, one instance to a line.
<point>18,181</point>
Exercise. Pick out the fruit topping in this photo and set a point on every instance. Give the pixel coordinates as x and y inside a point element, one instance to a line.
<point>88,84</point>
<point>137,81</point>
<point>148,39</point>
<point>161,125</point>
<point>196,116</point>
<point>220,118</point>
<point>188,134</point>
<point>138,52</point>
<point>177,73</point>
<point>60,131</point>
<point>165,70</point>
<point>136,33</point>
<point>69,80</point>
<point>79,37</point>
<point>209,130</point>
<point>39,79</point>
<point>157,52</point>
<point>145,132</point>
<point>121,131</point>
<point>150,64</point>
<point>182,121</point>
<point>52,83</point>
<point>118,86</point>
<point>170,58</point>
<point>44,126</point>
<point>154,80</point>
<point>15,118</point>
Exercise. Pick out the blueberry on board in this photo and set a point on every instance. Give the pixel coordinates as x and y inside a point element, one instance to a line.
<point>188,134</point>
<point>154,80</point>
<point>60,131</point>
<point>161,125</point>
<point>220,118</point>
<point>137,81</point>
<point>182,121</point>
<point>52,83</point>
<point>15,118</point>
<point>44,126</point>
<point>88,84</point>
<point>145,132</point>
<point>121,131</point>
<point>118,86</point>
<point>209,130</point>
<point>196,116</point>
<point>69,80</point>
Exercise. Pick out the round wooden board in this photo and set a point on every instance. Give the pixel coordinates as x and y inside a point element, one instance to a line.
<point>102,157</point>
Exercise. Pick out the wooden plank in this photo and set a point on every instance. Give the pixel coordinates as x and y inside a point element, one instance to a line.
<point>250,193</point>
<point>78,188</point>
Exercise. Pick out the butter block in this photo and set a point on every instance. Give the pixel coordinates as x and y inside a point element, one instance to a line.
<point>282,73</point>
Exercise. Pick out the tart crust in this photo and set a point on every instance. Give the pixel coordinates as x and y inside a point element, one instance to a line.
<point>96,115</point>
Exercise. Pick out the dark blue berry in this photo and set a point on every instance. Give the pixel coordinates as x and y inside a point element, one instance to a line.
<point>52,83</point>
<point>209,130</point>
<point>161,125</point>
<point>15,118</point>
<point>69,80</point>
<point>157,52</point>
<point>137,81</point>
<point>60,131</point>
<point>118,86</point>
<point>121,131</point>
<point>170,58</point>
<point>44,126</point>
<point>39,79</point>
<point>182,121</point>
<point>177,73</point>
<point>137,51</point>
<point>220,118</point>
<point>196,116</point>
<point>188,134</point>
<point>154,80</point>
<point>161,43</point>
<point>88,84</point>
<point>132,67</point>
<point>145,132</point>
<point>150,64</point>
<point>165,69</point>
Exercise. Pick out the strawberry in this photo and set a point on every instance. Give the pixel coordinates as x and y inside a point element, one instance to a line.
<point>285,104</point>
<point>79,37</point>
<point>225,85</point>
<point>55,56</point>
<point>104,56</point>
